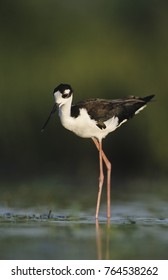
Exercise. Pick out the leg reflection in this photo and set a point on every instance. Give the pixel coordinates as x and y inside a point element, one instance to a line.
<point>103,238</point>
<point>98,240</point>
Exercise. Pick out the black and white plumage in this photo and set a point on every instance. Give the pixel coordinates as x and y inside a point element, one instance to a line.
<point>96,118</point>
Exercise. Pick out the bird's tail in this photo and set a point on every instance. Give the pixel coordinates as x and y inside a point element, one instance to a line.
<point>147,98</point>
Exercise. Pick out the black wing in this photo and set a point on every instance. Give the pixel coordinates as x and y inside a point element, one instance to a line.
<point>103,109</point>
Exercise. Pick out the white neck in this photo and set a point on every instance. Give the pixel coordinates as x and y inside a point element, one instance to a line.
<point>65,110</point>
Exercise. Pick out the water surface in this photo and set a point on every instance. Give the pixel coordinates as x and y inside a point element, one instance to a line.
<point>136,230</point>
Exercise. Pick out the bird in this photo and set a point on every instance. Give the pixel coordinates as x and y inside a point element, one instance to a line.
<point>95,118</point>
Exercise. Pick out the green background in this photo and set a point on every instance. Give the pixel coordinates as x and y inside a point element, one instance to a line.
<point>103,49</point>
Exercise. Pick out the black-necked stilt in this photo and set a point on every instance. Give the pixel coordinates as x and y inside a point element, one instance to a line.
<point>96,118</point>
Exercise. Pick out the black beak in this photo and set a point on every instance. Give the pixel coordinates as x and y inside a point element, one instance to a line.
<point>52,112</point>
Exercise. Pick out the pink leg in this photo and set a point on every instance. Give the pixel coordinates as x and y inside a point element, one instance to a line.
<point>101,180</point>
<point>108,167</point>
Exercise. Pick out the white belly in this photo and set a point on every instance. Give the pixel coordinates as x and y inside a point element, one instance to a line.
<point>85,127</point>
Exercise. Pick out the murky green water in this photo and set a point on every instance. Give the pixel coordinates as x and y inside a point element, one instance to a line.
<point>137,230</point>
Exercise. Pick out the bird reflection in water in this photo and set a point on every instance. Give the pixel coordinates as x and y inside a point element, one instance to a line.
<point>99,241</point>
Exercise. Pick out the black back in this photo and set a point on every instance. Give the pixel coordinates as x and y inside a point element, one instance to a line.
<point>103,109</point>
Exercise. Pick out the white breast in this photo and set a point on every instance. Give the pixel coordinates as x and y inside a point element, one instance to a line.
<point>85,127</point>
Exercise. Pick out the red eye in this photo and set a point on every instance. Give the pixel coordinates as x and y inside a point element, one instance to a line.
<point>65,95</point>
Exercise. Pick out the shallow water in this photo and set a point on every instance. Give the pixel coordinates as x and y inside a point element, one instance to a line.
<point>136,230</point>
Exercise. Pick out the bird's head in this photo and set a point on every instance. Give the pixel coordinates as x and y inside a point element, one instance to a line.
<point>62,94</point>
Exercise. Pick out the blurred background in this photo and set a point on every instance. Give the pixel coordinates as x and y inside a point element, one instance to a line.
<point>103,48</point>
